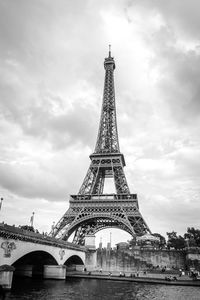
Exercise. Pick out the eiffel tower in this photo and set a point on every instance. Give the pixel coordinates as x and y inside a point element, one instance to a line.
<point>91,210</point>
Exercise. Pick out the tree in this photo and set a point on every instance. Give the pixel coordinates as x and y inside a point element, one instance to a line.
<point>162,241</point>
<point>193,237</point>
<point>27,227</point>
<point>132,242</point>
<point>174,241</point>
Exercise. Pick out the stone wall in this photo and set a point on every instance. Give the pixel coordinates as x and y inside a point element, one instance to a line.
<point>193,259</point>
<point>162,258</point>
<point>90,259</point>
<point>139,259</point>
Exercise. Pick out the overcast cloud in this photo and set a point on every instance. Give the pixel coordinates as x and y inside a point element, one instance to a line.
<point>51,87</point>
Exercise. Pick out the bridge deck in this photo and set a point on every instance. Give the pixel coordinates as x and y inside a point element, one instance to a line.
<point>12,232</point>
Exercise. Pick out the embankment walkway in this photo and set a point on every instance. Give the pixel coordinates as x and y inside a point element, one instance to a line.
<point>182,281</point>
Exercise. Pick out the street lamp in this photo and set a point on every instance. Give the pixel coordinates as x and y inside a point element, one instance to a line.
<point>32,219</point>
<point>1,203</point>
<point>53,227</point>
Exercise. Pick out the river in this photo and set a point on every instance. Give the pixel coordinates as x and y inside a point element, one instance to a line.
<point>93,289</point>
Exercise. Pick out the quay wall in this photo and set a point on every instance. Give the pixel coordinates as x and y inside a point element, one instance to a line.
<point>163,258</point>
<point>193,259</point>
<point>140,259</point>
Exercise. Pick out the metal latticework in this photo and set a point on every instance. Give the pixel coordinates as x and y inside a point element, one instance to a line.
<point>107,140</point>
<point>91,210</point>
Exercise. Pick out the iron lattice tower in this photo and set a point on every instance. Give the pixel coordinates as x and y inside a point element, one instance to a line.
<point>91,210</point>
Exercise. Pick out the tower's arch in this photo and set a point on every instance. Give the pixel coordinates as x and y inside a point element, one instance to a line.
<point>98,222</point>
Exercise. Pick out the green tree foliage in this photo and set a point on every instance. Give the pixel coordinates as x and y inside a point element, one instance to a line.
<point>174,241</point>
<point>193,237</point>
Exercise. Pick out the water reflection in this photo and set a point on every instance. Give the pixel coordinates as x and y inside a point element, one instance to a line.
<point>92,289</point>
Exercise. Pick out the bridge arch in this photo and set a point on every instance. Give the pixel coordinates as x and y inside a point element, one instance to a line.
<point>74,262</point>
<point>22,249</point>
<point>36,257</point>
<point>32,263</point>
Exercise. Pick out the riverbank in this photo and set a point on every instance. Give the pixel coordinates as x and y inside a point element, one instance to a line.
<point>141,279</point>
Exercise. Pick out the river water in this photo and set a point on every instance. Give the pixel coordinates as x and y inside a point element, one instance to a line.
<point>93,289</point>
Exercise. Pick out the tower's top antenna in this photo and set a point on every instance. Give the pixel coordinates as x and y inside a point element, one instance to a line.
<point>109,50</point>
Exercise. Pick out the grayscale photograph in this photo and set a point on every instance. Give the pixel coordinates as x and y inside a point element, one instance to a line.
<point>100,149</point>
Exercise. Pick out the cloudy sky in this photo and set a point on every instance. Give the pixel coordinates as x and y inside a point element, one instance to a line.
<point>51,86</point>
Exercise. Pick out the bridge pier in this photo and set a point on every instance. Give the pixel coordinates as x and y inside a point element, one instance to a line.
<point>6,275</point>
<point>91,254</point>
<point>91,259</point>
<point>54,272</point>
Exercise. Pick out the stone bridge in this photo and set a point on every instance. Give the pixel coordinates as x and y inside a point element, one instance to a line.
<point>33,254</point>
